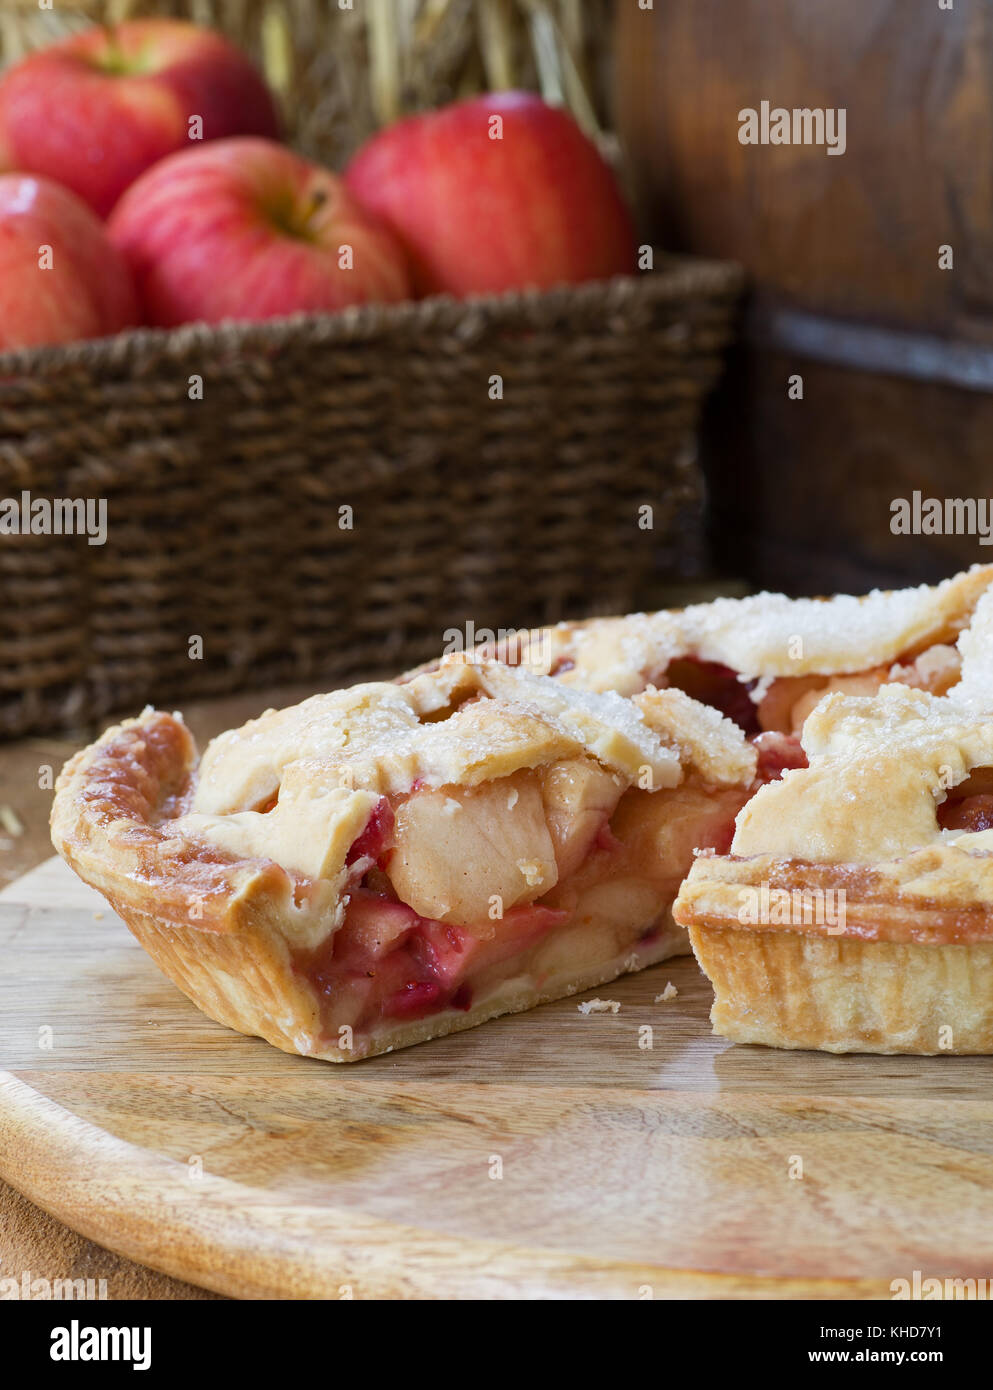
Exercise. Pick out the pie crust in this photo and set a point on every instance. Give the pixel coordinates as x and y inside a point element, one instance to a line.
<point>390,863</point>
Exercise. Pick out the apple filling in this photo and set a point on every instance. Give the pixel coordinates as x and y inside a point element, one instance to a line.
<point>789,699</point>
<point>782,704</point>
<point>460,890</point>
<point>561,870</point>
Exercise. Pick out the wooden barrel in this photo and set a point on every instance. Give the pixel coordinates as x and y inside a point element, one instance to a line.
<point>872,269</point>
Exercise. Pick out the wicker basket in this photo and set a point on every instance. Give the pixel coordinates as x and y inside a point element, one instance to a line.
<point>346,489</point>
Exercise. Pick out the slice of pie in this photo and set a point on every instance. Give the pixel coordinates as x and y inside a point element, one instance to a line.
<point>385,864</point>
<point>390,863</point>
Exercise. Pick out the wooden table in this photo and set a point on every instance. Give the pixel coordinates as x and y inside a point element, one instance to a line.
<point>690,1169</point>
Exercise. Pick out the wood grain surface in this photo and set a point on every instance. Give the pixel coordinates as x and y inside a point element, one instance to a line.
<point>542,1155</point>
<point>856,235</point>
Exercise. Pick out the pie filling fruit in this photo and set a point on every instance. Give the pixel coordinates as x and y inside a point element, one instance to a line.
<point>466,889</point>
<point>419,935</point>
<point>381,865</point>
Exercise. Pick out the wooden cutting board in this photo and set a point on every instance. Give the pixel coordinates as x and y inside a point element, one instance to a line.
<point>549,1154</point>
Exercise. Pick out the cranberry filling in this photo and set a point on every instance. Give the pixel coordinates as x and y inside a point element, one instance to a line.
<point>414,998</point>
<point>386,960</point>
<point>375,838</point>
<point>400,965</point>
<point>777,753</point>
<point>462,999</point>
<point>971,813</point>
<point>714,684</point>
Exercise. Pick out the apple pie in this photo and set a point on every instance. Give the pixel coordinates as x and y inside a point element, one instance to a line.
<point>390,863</point>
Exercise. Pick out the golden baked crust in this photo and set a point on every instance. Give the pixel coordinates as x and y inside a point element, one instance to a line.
<point>790,990</point>
<point>762,636</point>
<point>244,871</point>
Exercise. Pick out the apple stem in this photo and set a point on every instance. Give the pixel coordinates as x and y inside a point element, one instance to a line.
<point>114,53</point>
<point>317,200</point>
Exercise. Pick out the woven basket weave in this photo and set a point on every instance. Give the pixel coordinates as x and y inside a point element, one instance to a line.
<point>225,518</point>
<point>223,513</point>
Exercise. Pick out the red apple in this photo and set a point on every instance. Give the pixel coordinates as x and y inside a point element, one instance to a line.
<point>60,277</point>
<point>485,204</point>
<point>245,229</point>
<point>96,110</point>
